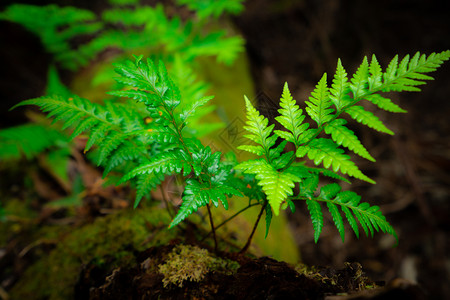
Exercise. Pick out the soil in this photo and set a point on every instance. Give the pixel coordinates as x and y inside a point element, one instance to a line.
<point>261,278</point>
<point>293,41</point>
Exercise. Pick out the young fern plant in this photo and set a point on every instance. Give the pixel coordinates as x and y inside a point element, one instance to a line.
<point>278,172</point>
<point>153,146</point>
<point>207,176</point>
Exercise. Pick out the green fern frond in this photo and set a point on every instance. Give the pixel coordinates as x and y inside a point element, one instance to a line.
<point>171,34</point>
<point>215,8</point>
<point>275,184</point>
<point>409,74</point>
<point>316,217</point>
<point>165,163</point>
<point>327,152</point>
<point>152,85</point>
<point>273,174</point>
<point>54,84</point>
<point>259,131</point>
<point>384,103</point>
<point>29,140</point>
<point>268,219</point>
<point>341,135</point>
<point>360,79</point>
<point>318,106</point>
<point>367,118</point>
<point>326,172</point>
<point>340,88</point>
<point>145,184</point>
<point>197,194</point>
<point>309,186</point>
<point>328,192</point>
<point>376,74</point>
<point>125,153</point>
<point>55,26</point>
<point>109,127</point>
<point>226,49</point>
<point>370,217</point>
<point>291,118</point>
<point>189,111</point>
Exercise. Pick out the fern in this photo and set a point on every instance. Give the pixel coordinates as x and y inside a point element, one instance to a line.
<point>319,104</point>
<point>56,26</point>
<point>152,86</point>
<point>29,141</point>
<point>206,8</point>
<point>278,173</point>
<point>121,136</point>
<point>130,28</point>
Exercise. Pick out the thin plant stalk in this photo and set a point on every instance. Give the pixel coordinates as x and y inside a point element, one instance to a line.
<point>213,230</point>
<point>249,240</point>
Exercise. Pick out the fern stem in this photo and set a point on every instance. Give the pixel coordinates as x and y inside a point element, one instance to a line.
<point>213,230</point>
<point>249,240</point>
<point>230,218</point>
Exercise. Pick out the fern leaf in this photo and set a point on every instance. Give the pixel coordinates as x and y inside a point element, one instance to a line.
<point>360,80</point>
<point>29,140</point>
<point>370,217</point>
<point>154,87</point>
<point>258,150</point>
<point>384,103</point>
<point>226,49</point>
<point>341,135</point>
<point>164,163</point>
<point>96,136</point>
<point>145,184</point>
<point>276,185</point>
<point>198,194</point>
<point>328,192</point>
<point>319,103</point>
<point>316,217</point>
<point>110,143</point>
<point>409,74</point>
<point>191,110</point>
<point>260,132</point>
<point>326,151</point>
<point>268,219</point>
<point>290,117</point>
<point>340,88</point>
<point>124,153</point>
<point>214,8</point>
<point>309,186</point>
<point>365,117</point>
<point>191,203</point>
<point>55,26</point>
<point>283,160</point>
<point>376,74</point>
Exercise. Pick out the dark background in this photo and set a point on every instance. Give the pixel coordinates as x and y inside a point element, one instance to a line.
<point>297,41</point>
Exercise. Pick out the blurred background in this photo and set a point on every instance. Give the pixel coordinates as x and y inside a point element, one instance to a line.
<point>296,42</point>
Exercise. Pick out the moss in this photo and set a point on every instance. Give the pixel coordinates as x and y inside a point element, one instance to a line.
<point>16,217</point>
<point>350,278</point>
<point>190,263</point>
<point>111,240</point>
